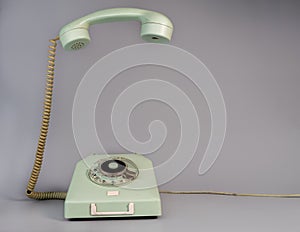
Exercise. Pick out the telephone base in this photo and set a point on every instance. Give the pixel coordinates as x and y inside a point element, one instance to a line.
<point>96,195</point>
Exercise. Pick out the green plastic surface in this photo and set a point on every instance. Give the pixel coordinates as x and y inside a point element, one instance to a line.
<point>142,191</point>
<point>155,27</point>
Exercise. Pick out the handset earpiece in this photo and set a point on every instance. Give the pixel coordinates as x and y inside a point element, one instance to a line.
<point>155,27</point>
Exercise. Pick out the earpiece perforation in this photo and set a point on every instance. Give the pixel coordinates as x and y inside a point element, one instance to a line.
<point>77,45</point>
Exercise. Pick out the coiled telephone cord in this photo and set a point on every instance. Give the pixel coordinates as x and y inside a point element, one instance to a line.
<point>44,131</point>
<point>42,141</point>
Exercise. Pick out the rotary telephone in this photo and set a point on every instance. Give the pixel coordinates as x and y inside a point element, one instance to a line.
<point>103,185</point>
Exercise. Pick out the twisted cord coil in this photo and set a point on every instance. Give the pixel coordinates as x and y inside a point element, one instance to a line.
<point>44,131</point>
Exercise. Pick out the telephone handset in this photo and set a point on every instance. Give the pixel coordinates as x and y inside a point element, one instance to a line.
<point>155,27</point>
<point>97,179</point>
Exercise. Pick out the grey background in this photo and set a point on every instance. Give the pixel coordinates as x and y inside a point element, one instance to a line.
<point>251,48</point>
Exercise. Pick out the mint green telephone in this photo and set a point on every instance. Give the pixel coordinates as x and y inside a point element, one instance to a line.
<point>97,187</point>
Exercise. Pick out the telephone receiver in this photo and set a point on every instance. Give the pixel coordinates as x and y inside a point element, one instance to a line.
<point>155,27</point>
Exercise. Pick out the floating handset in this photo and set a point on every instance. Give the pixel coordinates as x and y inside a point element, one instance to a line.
<point>155,27</point>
